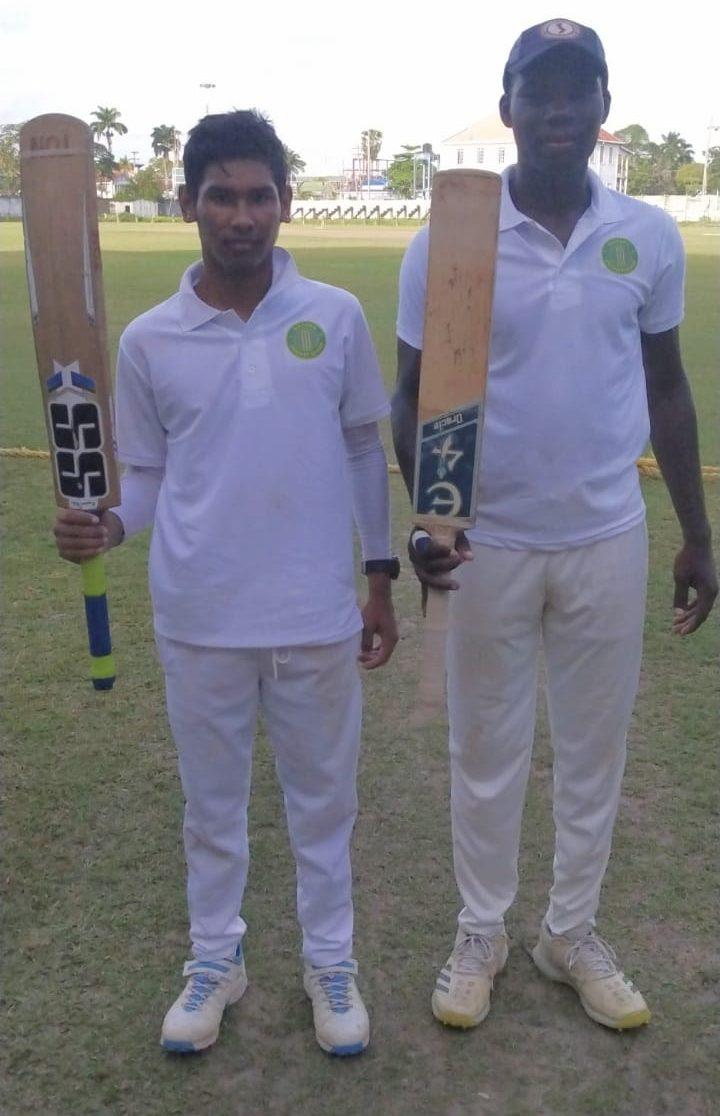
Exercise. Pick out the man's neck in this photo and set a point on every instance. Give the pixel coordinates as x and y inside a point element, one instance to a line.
<point>238,292</point>
<point>557,202</point>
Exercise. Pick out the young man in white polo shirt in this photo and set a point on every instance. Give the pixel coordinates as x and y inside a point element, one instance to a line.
<point>584,365</point>
<point>247,418</point>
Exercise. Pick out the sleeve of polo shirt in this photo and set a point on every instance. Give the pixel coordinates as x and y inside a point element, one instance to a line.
<point>140,434</point>
<point>665,306</point>
<point>364,398</point>
<point>413,282</point>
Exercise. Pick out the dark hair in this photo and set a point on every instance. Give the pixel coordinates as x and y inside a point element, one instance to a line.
<point>242,134</point>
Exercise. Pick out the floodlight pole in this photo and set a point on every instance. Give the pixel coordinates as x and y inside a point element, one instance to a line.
<point>207,85</point>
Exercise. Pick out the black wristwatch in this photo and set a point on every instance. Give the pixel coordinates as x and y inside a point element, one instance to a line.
<point>389,566</point>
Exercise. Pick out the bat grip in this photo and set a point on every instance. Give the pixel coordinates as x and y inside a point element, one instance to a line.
<point>102,662</point>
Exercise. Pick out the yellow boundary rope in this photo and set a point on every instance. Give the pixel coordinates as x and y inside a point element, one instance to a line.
<point>647,466</point>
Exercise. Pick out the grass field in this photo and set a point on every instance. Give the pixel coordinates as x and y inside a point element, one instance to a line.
<point>94,919</point>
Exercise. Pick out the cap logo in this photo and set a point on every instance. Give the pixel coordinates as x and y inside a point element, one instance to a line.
<point>560,29</point>
<point>305,340</point>
<point>619,255</point>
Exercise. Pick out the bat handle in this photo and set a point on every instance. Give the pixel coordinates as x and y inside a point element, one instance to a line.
<point>102,662</point>
<point>432,685</point>
<point>431,688</point>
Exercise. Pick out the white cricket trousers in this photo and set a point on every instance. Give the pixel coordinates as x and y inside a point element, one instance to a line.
<point>585,608</point>
<point>312,704</point>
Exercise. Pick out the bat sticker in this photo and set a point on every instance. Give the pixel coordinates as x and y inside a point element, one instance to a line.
<point>448,452</point>
<point>77,437</point>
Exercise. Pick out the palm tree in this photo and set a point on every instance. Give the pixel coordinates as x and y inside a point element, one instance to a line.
<point>675,151</point>
<point>164,139</point>
<point>126,166</point>
<point>107,122</point>
<point>295,163</point>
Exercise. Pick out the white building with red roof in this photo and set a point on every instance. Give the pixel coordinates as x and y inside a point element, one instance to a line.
<point>489,145</point>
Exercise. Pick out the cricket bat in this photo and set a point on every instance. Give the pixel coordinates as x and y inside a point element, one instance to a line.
<point>64,273</point>
<point>464,216</point>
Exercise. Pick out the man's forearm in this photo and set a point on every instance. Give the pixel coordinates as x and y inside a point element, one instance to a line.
<point>675,444</point>
<point>404,431</point>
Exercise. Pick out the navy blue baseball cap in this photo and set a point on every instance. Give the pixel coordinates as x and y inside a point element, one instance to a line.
<point>543,37</point>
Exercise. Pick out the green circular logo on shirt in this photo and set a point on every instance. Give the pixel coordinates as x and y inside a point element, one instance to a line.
<point>620,255</point>
<point>305,340</point>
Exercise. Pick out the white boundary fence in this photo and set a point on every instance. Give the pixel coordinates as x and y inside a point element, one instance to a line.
<point>360,209</point>
<point>683,207</point>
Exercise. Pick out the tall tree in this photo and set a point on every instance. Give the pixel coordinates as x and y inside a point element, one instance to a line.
<point>10,159</point>
<point>371,142</point>
<point>164,139</point>
<point>635,137</point>
<point>148,183</point>
<point>126,166</point>
<point>688,178</point>
<point>401,172</point>
<point>674,151</point>
<point>104,164</point>
<point>107,123</point>
<point>295,162</point>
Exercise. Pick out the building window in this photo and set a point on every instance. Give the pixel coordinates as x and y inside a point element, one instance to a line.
<point>501,154</point>
<point>460,155</point>
<point>481,154</point>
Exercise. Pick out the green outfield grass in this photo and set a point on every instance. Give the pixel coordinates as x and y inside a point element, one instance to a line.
<point>94,917</point>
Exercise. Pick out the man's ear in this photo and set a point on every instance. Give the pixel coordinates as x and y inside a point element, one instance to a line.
<point>504,107</point>
<point>608,101</point>
<point>187,206</point>
<point>285,202</point>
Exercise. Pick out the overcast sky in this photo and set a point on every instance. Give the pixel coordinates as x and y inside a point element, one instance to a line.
<point>326,70</point>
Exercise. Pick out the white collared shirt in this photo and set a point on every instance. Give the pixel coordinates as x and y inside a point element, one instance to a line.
<point>252,540</point>
<point>566,409</point>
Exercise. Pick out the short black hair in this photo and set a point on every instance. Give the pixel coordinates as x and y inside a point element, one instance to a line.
<point>241,134</point>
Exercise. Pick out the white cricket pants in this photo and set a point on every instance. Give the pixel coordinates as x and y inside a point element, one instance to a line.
<point>312,704</point>
<point>585,608</point>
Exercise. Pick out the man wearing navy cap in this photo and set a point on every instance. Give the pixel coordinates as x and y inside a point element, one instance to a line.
<point>584,367</point>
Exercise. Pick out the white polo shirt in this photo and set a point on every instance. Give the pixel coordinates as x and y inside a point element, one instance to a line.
<point>566,412</point>
<point>252,539</point>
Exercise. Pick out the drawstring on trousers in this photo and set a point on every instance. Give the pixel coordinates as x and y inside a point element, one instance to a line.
<point>280,657</point>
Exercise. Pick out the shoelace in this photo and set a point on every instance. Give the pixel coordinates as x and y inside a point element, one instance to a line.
<point>594,952</point>
<point>336,987</point>
<point>202,986</point>
<point>473,954</point>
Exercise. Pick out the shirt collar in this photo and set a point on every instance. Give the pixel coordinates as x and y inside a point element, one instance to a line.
<point>194,312</point>
<point>604,206</point>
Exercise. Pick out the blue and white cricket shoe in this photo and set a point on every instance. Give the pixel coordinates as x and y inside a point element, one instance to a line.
<point>341,1022</point>
<point>193,1021</point>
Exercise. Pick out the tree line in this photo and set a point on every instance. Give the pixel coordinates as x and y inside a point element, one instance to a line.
<point>151,181</point>
<point>667,167</point>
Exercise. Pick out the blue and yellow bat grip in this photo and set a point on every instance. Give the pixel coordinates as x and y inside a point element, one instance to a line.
<point>102,662</point>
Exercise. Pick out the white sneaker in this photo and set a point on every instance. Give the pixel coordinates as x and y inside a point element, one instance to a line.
<point>462,990</point>
<point>341,1022</point>
<point>193,1021</point>
<point>589,965</point>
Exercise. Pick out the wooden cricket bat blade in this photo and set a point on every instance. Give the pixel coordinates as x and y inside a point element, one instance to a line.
<point>464,217</point>
<point>64,272</point>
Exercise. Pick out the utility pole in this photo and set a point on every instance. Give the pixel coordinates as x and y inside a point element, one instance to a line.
<point>710,129</point>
